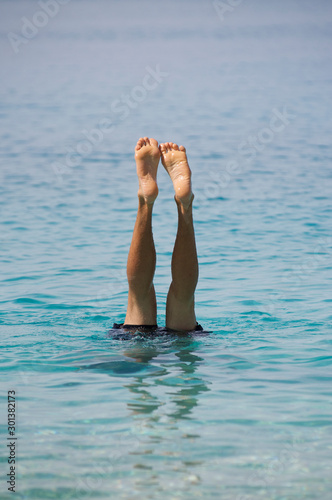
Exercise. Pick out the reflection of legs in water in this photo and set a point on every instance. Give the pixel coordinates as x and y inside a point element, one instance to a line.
<point>142,401</point>
<point>186,396</point>
<point>180,307</point>
<point>183,395</point>
<point>142,307</point>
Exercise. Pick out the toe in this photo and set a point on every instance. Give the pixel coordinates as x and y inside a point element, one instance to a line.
<point>153,142</point>
<point>162,147</point>
<point>146,140</point>
<point>138,145</point>
<point>182,148</point>
<point>175,146</point>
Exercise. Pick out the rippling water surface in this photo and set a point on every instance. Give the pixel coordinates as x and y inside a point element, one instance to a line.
<point>244,412</point>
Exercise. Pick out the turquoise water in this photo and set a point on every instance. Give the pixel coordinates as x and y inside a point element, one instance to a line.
<point>245,412</point>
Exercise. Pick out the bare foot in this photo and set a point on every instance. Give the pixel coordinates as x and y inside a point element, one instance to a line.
<point>147,157</point>
<point>175,161</point>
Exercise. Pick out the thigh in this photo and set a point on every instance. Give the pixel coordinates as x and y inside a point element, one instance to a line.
<point>180,314</point>
<point>142,309</point>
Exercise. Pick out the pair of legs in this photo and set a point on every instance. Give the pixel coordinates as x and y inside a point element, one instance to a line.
<point>180,306</point>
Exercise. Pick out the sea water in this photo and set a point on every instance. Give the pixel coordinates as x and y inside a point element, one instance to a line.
<point>243,412</point>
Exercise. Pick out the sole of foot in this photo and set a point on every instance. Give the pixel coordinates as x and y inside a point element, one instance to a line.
<point>175,162</point>
<point>147,156</point>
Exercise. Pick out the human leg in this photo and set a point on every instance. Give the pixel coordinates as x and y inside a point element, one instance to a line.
<point>142,307</point>
<point>180,306</point>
